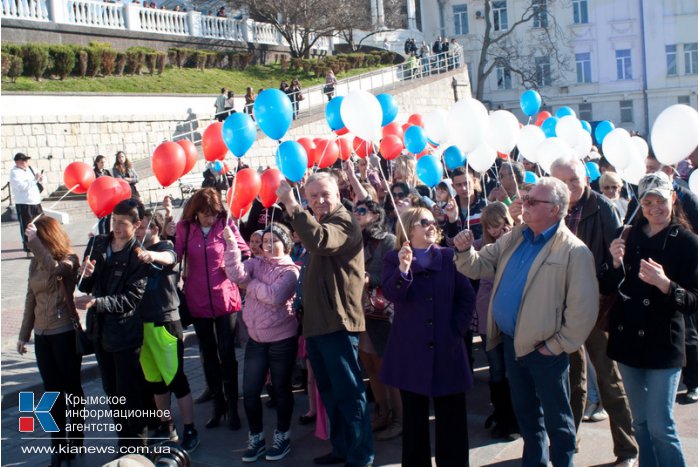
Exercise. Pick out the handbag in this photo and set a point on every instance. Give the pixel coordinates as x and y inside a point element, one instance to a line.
<point>375,305</point>
<point>328,88</point>
<point>608,300</point>
<point>184,309</point>
<point>38,185</point>
<point>83,344</point>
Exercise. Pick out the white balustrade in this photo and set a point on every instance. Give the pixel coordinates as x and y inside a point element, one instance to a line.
<point>223,28</point>
<point>163,21</point>
<point>35,10</point>
<point>95,13</point>
<point>265,33</point>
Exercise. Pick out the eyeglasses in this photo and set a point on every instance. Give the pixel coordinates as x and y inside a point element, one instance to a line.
<point>400,195</point>
<point>426,223</point>
<point>611,187</point>
<point>532,202</point>
<point>360,211</point>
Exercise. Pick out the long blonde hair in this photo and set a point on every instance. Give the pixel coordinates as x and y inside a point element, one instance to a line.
<point>491,216</point>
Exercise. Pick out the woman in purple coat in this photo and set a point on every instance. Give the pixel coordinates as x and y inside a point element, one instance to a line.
<point>426,357</point>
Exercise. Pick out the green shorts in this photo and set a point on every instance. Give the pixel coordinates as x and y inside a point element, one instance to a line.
<point>158,354</point>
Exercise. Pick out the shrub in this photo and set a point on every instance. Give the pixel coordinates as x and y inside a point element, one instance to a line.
<point>12,66</point>
<point>135,58</point>
<point>109,61</point>
<point>151,62</point>
<point>63,58</point>
<point>232,60</point>
<point>12,49</point>
<point>295,63</point>
<point>201,60</point>
<point>36,59</point>
<point>6,59</point>
<point>221,58</point>
<point>284,63</point>
<point>244,60</point>
<point>94,61</point>
<point>160,62</point>
<point>121,63</point>
<point>83,62</point>
<point>211,59</point>
<point>183,57</point>
<point>172,57</point>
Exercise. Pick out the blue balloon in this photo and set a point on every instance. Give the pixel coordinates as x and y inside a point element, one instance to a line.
<point>564,111</point>
<point>273,113</point>
<point>390,108</point>
<point>530,177</point>
<point>291,159</point>
<point>335,121</point>
<point>592,171</point>
<point>586,126</point>
<point>602,129</point>
<point>549,127</point>
<point>415,139</point>
<point>239,133</point>
<point>454,157</point>
<point>530,102</point>
<point>429,170</point>
<point>217,167</point>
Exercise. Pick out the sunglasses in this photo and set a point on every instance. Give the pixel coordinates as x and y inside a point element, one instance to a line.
<point>400,195</point>
<point>426,223</point>
<point>533,202</point>
<point>360,211</point>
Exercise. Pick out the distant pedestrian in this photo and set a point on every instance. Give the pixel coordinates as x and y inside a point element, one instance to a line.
<point>220,106</point>
<point>249,101</point>
<point>228,105</point>
<point>122,169</point>
<point>26,188</point>
<point>104,226</point>
<point>329,87</point>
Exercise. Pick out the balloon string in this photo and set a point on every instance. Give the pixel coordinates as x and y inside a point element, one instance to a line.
<point>55,203</point>
<point>483,184</point>
<point>267,212</point>
<point>233,192</point>
<point>298,192</point>
<point>393,202</point>
<point>92,245</point>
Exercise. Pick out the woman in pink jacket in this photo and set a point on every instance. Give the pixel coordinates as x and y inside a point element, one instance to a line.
<point>270,281</point>
<point>212,299</point>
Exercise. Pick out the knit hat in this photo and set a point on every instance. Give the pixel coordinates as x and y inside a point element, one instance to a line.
<point>281,234</point>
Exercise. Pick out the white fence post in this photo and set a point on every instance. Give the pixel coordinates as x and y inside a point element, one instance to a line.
<point>132,21</point>
<point>57,11</point>
<point>194,19</point>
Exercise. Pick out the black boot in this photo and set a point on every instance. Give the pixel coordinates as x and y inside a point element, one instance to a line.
<point>506,423</point>
<point>234,422</point>
<point>219,411</point>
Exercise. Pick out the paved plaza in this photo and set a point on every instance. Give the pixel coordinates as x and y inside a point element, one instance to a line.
<point>220,446</point>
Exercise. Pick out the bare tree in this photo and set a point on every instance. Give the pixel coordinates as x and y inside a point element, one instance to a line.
<point>355,15</point>
<point>532,60</point>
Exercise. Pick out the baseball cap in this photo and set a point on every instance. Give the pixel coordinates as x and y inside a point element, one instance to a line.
<point>657,183</point>
<point>21,157</point>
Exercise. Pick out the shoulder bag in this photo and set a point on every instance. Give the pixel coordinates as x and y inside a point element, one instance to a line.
<point>184,310</point>
<point>83,344</point>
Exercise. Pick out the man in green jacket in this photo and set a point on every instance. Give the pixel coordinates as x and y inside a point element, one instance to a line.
<point>333,316</point>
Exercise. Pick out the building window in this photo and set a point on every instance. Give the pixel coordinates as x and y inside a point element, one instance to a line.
<point>624,63</point>
<point>671,57</point>
<point>543,75</point>
<point>585,112</point>
<point>500,15</point>
<point>583,68</point>
<point>580,11</point>
<point>461,19</point>
<point>690,52</point>
<point>503,78</point>
<point>626,113</point>
<point>539,11</point>
<point>684,100</point>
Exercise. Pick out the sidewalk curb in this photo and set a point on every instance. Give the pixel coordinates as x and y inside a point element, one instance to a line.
<point>88,372</point>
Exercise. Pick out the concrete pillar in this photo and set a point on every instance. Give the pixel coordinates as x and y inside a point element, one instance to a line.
<point>194,21</point>
<point>411,14</point>
<point>57,11</point>
<point>380,13</point>
<point>247,30</point>
<point>132,22</point>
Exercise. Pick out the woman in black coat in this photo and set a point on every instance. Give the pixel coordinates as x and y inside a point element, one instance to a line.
<point>657,272</point>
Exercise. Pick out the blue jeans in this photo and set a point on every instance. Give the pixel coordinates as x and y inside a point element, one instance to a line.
<point>497,366</point>
<point>279,358</point>
<point>339,380</point>
<point>651,394</point>
<point>541,405</point>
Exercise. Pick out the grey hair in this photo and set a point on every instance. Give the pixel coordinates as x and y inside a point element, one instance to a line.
<point>322,177</point>
<point>560,193</point>
<point>574,164</point>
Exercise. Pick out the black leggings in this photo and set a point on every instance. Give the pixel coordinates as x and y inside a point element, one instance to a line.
<point>216,345</point>
<point>59,366</point>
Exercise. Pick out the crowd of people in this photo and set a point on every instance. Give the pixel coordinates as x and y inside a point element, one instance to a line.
<point>574,287</point>
<point>424,60</point>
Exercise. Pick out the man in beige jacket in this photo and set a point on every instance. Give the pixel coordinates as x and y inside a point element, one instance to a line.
<point>543,306</point>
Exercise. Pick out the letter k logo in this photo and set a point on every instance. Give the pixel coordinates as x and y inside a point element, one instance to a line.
<point>41,411</point>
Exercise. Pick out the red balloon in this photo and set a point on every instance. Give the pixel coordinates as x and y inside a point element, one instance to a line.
<point>342,131</point>
<point>125,188</point>
<point>247,187</point>
<point>168,162</point>
<point>405,127</point>
<point>309,146</point>
<point>391,147</point>
<point>213,144</point>
<point>326,153</point>
<point>105,193</point>
<point>361,147</point>
<point>345,147</point>
<point>425,151</point>
<point>79,175</point>
<point>502,155</point>
<point>392,128</point>
<point>190,153</point>
<point>269,182</point>
<point>416,119</point>
<point>541,117</point>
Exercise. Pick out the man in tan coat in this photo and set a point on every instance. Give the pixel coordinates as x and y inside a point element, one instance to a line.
<point>543,305</point>
<point>333,315</point>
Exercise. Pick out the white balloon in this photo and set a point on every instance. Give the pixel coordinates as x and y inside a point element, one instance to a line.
<point>503,131</point>
<point>550,150</point>
<point>435,126</point>
<point>634,172</point>
<point>641,146</point>
<point>567,130</point>
<point>482,158</point>
<point>583,144</point>
<point>529,137</point>
<point>618,148</point>
<point>675,134</point>
<point>468,122</point>
<point>362,114</point>
<point>693,182</point>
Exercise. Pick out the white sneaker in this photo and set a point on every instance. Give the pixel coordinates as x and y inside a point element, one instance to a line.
<point>590,408</point>
<point>599,415</point>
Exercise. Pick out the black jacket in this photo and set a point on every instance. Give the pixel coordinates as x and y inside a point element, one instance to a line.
<point>118,287</point>
<point>647,329</point>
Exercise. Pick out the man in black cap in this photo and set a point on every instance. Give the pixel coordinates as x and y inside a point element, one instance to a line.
<point>26,188</point>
